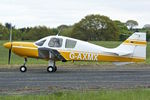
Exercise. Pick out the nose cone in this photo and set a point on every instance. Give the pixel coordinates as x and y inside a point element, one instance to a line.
<point>7,45</point>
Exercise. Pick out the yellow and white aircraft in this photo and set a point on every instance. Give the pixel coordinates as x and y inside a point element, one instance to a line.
<point>60,48</point>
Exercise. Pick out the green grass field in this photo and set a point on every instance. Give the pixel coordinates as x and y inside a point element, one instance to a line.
<point>18,60</point>
<point>135,94</point>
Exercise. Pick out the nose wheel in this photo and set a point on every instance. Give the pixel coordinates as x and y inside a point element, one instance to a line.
<point>23,68</point>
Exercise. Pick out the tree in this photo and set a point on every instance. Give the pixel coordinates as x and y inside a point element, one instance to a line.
<point>131,24</point>
<point>95,27</point>
<point>122,30</point>
<point>146,26</point>
<point>62,27</point>
<point>8,25</point>
<point>148,35</point>
<point>4,32</point>
<point>37,32</point>
<point>65,30</point>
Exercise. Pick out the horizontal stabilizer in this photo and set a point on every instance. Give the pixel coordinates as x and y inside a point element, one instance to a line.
<point>119,53</point>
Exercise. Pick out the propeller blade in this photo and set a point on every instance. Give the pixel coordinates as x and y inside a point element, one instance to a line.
<point>9,56</point>
<point>10,39</point>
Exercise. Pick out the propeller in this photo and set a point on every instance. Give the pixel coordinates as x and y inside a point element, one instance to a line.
<point>9,56</point>
<point>10,40</point>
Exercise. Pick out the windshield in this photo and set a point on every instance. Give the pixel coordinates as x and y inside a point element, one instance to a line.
<point>40,43</point>
<point>55,42</point>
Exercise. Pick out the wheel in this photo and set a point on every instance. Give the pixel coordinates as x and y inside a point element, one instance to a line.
<point>23,68</point>
<point>51,69</point>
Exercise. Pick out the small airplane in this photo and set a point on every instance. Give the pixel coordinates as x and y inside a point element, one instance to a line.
<point>61,48</point>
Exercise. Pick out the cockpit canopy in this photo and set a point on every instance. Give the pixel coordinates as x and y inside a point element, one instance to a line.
<point>57,42</point>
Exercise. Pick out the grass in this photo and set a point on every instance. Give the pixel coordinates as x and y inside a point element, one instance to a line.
<point>18,60</point>
<point>134,94</point>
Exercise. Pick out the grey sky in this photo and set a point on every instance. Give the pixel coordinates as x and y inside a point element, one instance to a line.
<point>52,13</point>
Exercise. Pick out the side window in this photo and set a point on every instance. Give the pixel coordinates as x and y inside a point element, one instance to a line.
<point>70,43</point>
<point>55,42</point>
<point>40,43</point>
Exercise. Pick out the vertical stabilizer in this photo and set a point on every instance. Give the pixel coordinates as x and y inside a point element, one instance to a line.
<point>136,44</point>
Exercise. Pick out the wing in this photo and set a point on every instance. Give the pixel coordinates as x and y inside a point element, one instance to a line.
<point>48,53</point>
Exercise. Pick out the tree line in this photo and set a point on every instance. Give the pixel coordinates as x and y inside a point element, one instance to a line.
<point>90,28</point>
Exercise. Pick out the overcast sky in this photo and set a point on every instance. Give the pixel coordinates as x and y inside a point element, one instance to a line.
<point>52,13</point>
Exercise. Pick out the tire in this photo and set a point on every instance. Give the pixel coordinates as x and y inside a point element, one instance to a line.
<point>23,68</point>
<point>55,69</point>
<point>51,69</point>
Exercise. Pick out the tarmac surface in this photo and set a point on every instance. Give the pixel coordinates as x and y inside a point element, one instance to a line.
<point>85,77</point>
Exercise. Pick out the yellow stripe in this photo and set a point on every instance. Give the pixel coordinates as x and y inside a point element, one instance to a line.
<point>67,55</point>
<point>119,59</point>
<point>135,42</point>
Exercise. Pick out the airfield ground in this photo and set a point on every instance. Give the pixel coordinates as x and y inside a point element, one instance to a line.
<point>82,82</point>
<point>37,80</point>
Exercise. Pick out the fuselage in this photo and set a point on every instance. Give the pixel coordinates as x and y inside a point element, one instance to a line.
<point>69,48</point>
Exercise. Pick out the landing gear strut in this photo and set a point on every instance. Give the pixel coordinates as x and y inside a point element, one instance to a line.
<point>51,67</point>
<point>23,68</point>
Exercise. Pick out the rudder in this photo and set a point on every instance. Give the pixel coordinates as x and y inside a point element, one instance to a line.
<point>136,43</point>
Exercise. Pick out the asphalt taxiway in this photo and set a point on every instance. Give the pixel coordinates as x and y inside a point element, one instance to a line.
<point>74,78</point>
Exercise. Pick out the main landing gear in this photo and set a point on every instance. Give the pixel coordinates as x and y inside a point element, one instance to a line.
<point>51,66</point>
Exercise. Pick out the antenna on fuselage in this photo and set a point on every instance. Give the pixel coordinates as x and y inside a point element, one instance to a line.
<point>59,31</point>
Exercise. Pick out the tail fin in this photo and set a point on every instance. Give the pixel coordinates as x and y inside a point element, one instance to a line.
<point>135,45</point>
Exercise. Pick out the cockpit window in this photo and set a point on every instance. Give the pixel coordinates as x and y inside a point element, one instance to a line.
<point>40,43</point>
<point>55,42</point>
<point>70,43</point>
